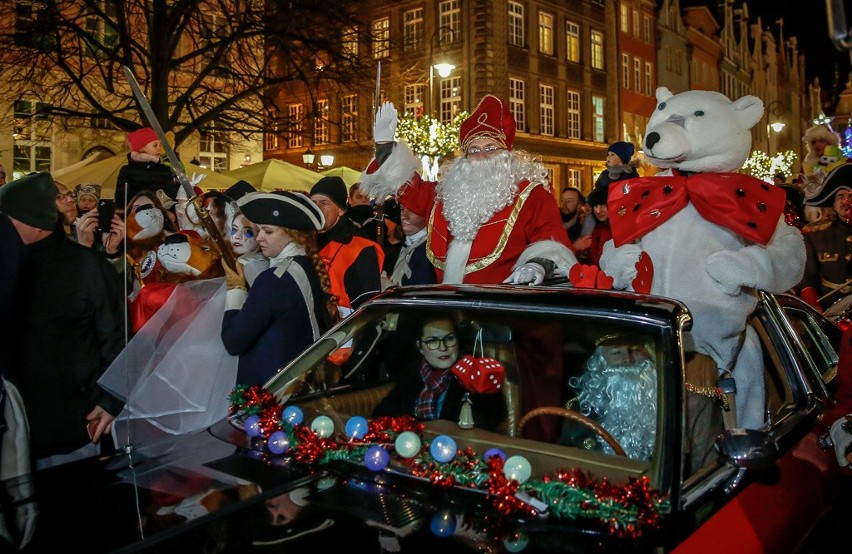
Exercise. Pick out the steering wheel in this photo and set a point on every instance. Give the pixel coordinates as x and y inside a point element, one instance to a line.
<point>575,416</point>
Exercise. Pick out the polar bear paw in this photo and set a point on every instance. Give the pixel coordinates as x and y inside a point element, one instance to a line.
<point>620,264</point>
<point>731,271</point>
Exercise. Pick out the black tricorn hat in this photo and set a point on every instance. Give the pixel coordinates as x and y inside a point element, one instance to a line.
<point>292,210</point>
<point>239,189</point>
<point>839,178</point>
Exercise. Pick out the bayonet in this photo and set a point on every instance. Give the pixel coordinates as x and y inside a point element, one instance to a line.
<point>377,99</point>
<point>204,216</point>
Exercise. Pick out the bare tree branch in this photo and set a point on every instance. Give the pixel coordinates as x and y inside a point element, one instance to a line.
<point>204,64</point>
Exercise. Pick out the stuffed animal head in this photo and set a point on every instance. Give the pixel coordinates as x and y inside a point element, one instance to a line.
<point>144,221</point>
<point>831,156</point>
<point>185,252</point>
<point>701,131</point>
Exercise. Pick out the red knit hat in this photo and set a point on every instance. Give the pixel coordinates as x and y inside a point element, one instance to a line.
<point>140,137</point>
<point>491,119</point>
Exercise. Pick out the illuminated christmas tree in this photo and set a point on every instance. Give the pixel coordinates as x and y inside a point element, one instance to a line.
<point>760,165</point>
<point>429,138</point>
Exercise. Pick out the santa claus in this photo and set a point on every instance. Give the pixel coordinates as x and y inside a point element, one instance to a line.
<point>492,218</point>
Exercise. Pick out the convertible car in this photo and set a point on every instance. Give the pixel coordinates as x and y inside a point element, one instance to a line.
<point>574,421</point>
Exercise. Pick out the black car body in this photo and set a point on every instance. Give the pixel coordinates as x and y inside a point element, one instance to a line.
<point>221,490</point>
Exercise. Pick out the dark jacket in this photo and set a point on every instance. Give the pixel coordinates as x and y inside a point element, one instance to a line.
<point>138,176</point>
<point>360,279</point>
<point>489,410</point>
<point>11,258</point>
<point>604,178</point>
<point>414,266</point>
<point>69,328</point>
<point>829,250</point>
<point>273,326</point>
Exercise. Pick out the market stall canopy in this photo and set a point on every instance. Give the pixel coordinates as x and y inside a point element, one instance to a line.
<point>105,173</point>
<point>350,176</point>
<point>273,174</point>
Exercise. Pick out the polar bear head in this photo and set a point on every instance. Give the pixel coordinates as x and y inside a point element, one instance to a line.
<point>701,131</point>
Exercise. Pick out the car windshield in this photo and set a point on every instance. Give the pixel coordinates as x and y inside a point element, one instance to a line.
<point>567,384</point>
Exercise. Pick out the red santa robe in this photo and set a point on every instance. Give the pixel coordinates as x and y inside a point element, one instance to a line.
<point>529,227</point>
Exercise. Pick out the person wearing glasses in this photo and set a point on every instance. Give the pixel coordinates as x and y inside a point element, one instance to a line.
<point>493,217</point>
<point>428,389</point>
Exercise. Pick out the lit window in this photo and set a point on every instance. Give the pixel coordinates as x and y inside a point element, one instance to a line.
<point>597,49</point>
<point>546,109</point>
<point>572,41</point>
<point>516,103</point>
<point>573,109</point>
<point>545,33</point>
<point>295,114</point>
<point>349,121</point>
<point>412,29</point>
<point>516,24</point>
<point>381,38</point>
<point>321,135</point>
<point>598,103</point>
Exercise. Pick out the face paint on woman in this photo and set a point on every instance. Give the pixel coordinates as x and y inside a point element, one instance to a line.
<point>243,236</point>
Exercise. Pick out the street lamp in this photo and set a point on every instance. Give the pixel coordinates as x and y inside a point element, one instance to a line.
<point>774,108</point>
<point>326,160</point>
<point>442,68</point>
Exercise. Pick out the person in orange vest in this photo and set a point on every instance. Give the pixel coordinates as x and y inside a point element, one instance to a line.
<point>354,261</point>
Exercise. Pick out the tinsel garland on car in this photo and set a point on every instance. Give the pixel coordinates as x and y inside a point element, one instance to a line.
<point>628,510</point>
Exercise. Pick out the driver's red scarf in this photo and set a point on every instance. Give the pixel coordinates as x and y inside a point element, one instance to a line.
<point>747,206</point>
<point>436,382</point>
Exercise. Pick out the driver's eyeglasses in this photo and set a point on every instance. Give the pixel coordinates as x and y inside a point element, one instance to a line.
<point>472,151</point>
<point>432,343</point>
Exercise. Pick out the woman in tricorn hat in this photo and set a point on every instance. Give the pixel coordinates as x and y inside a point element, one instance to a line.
<point>290,304</point>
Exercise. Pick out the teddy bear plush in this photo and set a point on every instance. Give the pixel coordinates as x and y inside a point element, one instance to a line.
<point>700,233</point>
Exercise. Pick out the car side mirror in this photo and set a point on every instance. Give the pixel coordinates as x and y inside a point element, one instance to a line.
<point>746,450</point>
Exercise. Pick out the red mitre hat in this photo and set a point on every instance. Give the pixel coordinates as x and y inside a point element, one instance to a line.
<point>491,119</point>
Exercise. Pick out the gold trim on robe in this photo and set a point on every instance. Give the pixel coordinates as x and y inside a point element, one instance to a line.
<point>483,262</point>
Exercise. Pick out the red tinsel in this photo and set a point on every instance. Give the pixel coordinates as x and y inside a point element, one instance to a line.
<point>253,400</point>
<point>501,490</point>
<point>310,446</point>
<point>386,429</point>
<point>270,419</point>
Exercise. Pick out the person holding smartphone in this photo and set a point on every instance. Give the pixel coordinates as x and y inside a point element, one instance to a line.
<point>101,228</point>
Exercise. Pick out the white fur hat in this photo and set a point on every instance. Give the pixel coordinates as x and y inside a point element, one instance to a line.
<point>821,131</point>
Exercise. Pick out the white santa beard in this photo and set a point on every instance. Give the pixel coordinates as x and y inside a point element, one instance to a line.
<point>472,191</point>
<point>624,399</point>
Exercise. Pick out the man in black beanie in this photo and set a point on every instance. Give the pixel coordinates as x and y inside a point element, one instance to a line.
<point>354,262</point>
<point>68,328</point>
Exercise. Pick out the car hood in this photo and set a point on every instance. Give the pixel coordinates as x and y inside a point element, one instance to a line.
<point>210,489</point>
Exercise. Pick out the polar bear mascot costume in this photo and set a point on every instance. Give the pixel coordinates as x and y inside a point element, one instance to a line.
<point>705,235</point>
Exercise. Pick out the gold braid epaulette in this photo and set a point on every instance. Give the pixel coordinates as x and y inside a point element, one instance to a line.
<point>817,226</point>
<point>715,393</point>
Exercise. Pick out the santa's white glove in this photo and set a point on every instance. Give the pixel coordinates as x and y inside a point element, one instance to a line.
<point>195,179</point>
<point>529,273</point>
<point>841,435</point>
<point>384,124</point>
